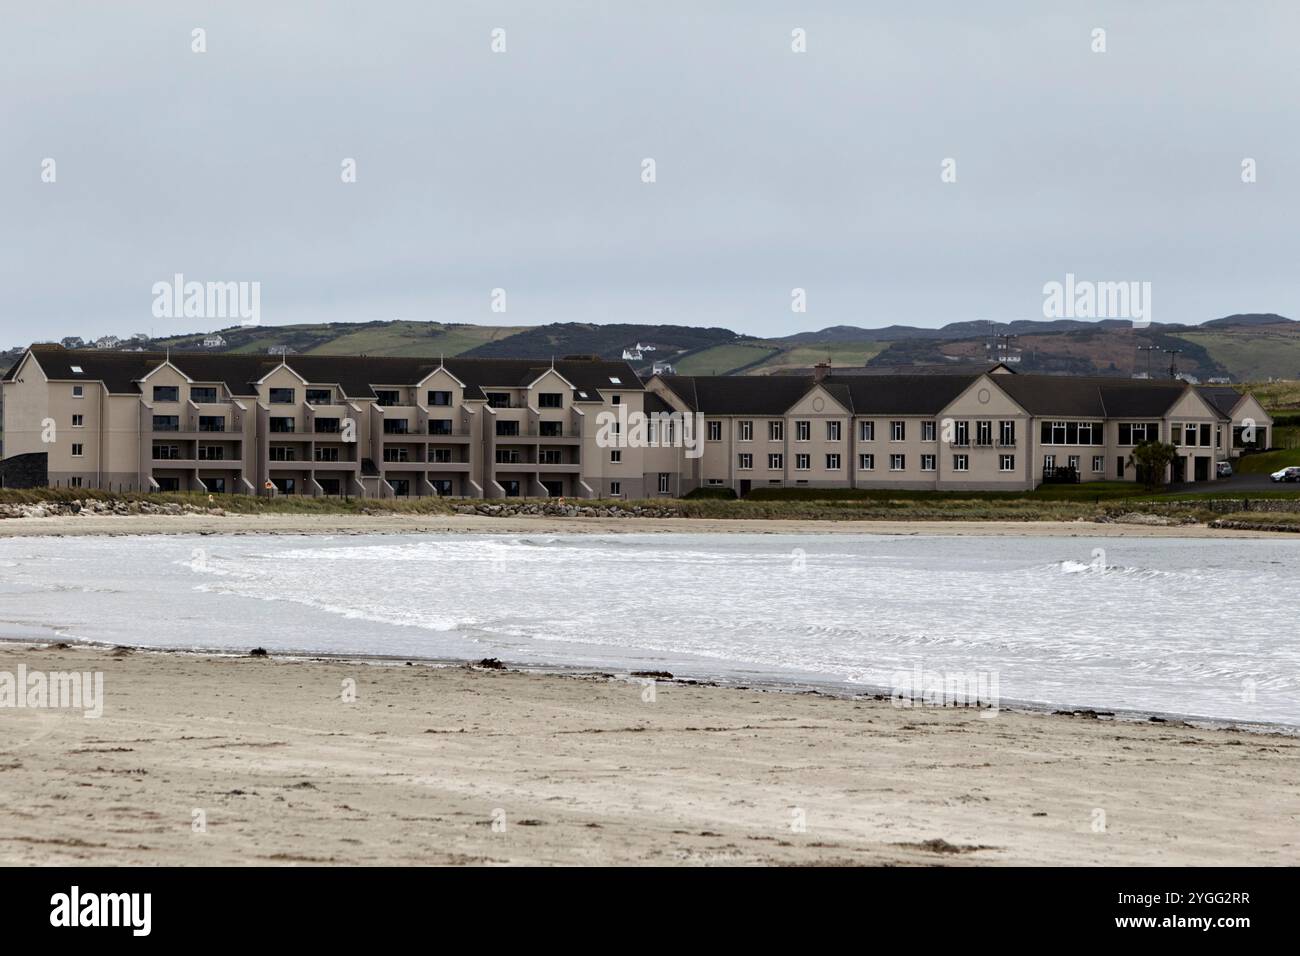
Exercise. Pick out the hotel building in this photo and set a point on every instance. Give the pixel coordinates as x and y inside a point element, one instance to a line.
<point>495,428</point>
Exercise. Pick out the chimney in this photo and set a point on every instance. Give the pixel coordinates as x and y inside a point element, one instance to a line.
<point>821,370</point>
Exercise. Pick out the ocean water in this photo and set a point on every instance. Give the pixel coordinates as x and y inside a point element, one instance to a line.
<point>1180,626</point>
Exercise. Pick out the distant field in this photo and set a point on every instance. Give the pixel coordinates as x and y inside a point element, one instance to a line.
<point>722,359</point>
<point>1276,395</point>
<point>1256,354</point>
<point>852,354</point>
<point>413,338</point>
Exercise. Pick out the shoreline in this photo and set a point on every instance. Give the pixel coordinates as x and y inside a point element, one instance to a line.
<point>453,765</point>
<point>283,524</point>
<point>835,690</point>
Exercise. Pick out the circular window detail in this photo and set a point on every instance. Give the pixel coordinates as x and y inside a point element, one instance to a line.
<point>818,404</point>
<point>984,395</point>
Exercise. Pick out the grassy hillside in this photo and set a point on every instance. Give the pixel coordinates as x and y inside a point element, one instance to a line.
<point>1260,352</point>
<point>723,359</point>
<point>839,354</point>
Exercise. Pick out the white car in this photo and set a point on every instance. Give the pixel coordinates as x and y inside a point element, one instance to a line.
<point>1287,474</point>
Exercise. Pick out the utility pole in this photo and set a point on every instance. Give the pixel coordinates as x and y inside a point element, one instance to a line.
<point>1002,346</point>
<point>1173,362</point>
<point>1148,349</point>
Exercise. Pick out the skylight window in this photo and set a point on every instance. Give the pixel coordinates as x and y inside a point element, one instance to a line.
<point>615,380</point>
<point>76,370</point>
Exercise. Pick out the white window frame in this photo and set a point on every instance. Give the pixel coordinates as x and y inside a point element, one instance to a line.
<point>833,461</point>
<point>1006,463</point>
<point>866,462</point>
<point>867,431</point>
<point>928,463</point>
<point>961,463</point>
<point>803,461</point>
<point>897,462</point>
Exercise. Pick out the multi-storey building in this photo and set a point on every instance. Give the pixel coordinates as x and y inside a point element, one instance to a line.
<point>952,431</point>
<point>318,425</point>
<point>397,427</point>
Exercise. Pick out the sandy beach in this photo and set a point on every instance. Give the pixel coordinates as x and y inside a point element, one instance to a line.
<point>401,524</point>
<point>225,760</point>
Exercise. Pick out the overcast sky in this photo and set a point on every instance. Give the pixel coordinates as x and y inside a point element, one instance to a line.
<point>523,170</point>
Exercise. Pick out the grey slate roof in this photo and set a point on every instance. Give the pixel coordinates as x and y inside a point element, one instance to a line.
<point>120,371</point>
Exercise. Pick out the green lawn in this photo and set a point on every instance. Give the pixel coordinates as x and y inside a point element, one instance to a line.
<point>853,354</point>
<point>1268,462</point>
<point>413,338</point>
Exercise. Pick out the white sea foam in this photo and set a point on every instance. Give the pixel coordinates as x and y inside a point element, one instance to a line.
<point>1184,626</point>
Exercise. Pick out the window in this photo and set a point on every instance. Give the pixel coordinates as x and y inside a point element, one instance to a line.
<point>507,429</point>
<point>319,396</point>
<point>898,431</point>
<point>961,434</point>
<point>212,453</point>
<point>1205,436</point>
<point>1008,462</point>
<point>76,370</point>
<point>715,431</point>
<point>832,431</point>
<point>166,452</point>
<point>166,393</point>
<point>401,487</point>
<point>744,431</point>
<point>550,456</point>
<point>168,483</point>
<point>866,462</point>
<point>78,391</point>
<point>776,461</point>
<point>285,486</point>
<point>1072,433</point>
<point>745,462</point>
<point>203,395</point>
<point>498,399</point>
<point>867,431</point>
<point>802,462</point>
<point>832,462</point>
<point>285,396</point>
<point>802,431</point>
<point>550,429</point>
<point>1006,434</point>
<point>776,431</point>
<point>327,454</point>
<point>715,481</point>
<point>615,456</point>
<point>961,462</point>
<point>1098,464</point>
<point>1218,435</point>
<point>441,456</point>
<point>440,426</point>
<point>1135,433</point>
<point>397,454</point>
<point>615,380</point>
<point>1190,432</point>
<point>78,421</point>
<point>984,434</point>
<point>282,453</point>
<point>927,463</point>
<point>216,485</point>
<point>326,426</point>
<point>616,400</point>
<point>166,423</point>
<point>439,399</point>
<point>282,424</point>
<point>927,431</point>
<point>615,489</point>
<point>1049,462</point>
<point>1074,462</point>
<point>664,478</point>
<point>548,400</point>
<point>212,423</point>
<point>385,397</point>
<point>897,462</point>
<point>396,426</point>
<point>75,481</point>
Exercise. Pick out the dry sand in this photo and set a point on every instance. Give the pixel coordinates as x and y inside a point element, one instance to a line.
<point>585,770</point>
<point>394,524</point>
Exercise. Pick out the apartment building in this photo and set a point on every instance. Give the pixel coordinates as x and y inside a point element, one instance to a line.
<point>496,428</point>
<point>317,425</point>
<point>987,430</point>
